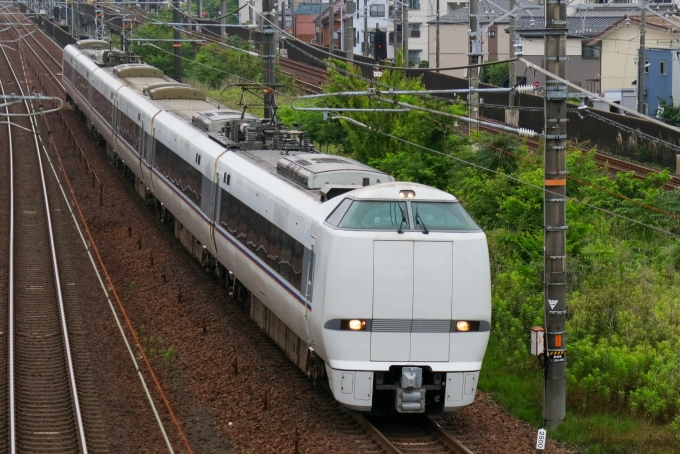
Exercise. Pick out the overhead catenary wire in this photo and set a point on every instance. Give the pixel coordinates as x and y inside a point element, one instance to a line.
<point>505,175</point>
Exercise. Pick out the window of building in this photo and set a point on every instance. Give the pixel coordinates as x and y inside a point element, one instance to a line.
<point>414,30</point>
<point>663,68</point>
<point>377,11</point>
<point>414,57</point>
<point>646,66</point>
<point>590,52</point>
<point>414,4</point>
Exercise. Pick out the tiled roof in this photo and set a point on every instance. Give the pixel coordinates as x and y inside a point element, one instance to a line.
<point>487,9</point>
<point>313,9</point>
<point>586,26</point>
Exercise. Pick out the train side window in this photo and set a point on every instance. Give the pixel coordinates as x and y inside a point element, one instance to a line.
<point>336,216</point>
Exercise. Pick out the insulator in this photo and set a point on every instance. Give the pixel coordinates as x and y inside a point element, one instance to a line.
<point>526,132</point>
<point>525,88</point>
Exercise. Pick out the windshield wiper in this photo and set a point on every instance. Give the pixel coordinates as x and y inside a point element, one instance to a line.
<point>403,220</point>
<point>419,220</point>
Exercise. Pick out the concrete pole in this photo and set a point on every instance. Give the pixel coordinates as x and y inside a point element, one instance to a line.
<point>642,61</point>
<point>269,59</point>
<point>223,21</point>
<point>349,30</point>
<point>475,50</point>
<point>554,211</point>
<point>437,61</point>
<point>367,51</point>
<point>177,45</point>
<point>512,115</point>
<point>404,32</point>
<point>331,26</point>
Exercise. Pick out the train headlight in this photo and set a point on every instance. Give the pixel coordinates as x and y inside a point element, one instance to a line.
<point>357,325</point>
<point>407,194</point>
<point>353,325</point>
<point>462,326</point>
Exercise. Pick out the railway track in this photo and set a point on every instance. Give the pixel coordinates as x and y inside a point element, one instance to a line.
<point>414,434</point>
<point>51,400</point>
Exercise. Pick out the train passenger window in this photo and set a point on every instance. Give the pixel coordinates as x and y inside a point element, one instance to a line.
<point>441,216</point>
<point>337,214</point>
<point>376,215</point>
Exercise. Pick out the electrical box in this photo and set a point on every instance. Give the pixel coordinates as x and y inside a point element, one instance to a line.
<point>537,341</point>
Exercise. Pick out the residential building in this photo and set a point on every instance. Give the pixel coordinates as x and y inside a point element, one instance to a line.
<point>322,26</point>
<point>583,66</point>
<point>303,20</point>
<point>453,35</point>
<point>620,43</point>
<point>662,78</point>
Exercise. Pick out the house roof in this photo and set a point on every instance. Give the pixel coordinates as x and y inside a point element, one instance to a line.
<point>583,25</point>
<point>488,11</point>
<point>313,9</point>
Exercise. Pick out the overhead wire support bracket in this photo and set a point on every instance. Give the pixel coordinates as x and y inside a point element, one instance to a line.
<point>15,99</point>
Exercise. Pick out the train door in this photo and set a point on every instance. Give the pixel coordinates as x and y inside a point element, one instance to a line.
<point>308,263</point>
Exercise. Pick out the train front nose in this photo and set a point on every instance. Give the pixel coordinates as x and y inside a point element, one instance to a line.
<point>412,294</point>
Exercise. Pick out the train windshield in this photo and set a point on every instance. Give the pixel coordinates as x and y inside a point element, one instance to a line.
<point>376,215</point>
<point>446,216</point>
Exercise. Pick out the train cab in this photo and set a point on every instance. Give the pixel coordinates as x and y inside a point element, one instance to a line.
<point>404,288</point>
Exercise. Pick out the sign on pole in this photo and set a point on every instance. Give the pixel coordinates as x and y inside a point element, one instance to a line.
<point>540,441</point>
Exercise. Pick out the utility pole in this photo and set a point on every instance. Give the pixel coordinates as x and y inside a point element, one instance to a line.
<point>436,43</point>
<point>349,30</point>
<point>554,212</point>
<point>331,26</point>
<point>512,115</point>
<point>268,60</point>
<point>223,20</point>
<point>176,45</point>
<point>475,49</point>
<point>642,61</point>
<point>367,51</point>
<point>404,31</point>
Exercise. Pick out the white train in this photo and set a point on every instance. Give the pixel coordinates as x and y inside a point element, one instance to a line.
<point>381,286</point>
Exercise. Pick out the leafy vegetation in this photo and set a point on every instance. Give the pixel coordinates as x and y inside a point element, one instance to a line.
<point>623,319</point>
<point>496,74</point>
<point>669,112</point>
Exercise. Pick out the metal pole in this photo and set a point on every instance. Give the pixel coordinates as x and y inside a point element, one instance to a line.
<point>642,61</point>
<point>404,31</point>
<point>437,62</point>
<point>475,49</point>
<point>269,59</point>
<point>349,30</point>
<point>554,211</point>
<point>512,115</point>
<point>176,46</point>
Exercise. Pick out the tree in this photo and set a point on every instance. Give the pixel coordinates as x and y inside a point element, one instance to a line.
<point>668,112</point>
<point>497,75</point>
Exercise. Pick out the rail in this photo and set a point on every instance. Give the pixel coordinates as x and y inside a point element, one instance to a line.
<point>29,324</point>
<point>406,434</point>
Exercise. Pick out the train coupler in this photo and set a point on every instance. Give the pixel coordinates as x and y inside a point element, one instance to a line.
<point>410,396</point>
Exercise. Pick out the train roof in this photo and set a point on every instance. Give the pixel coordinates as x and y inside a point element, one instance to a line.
<point>310,171</point>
